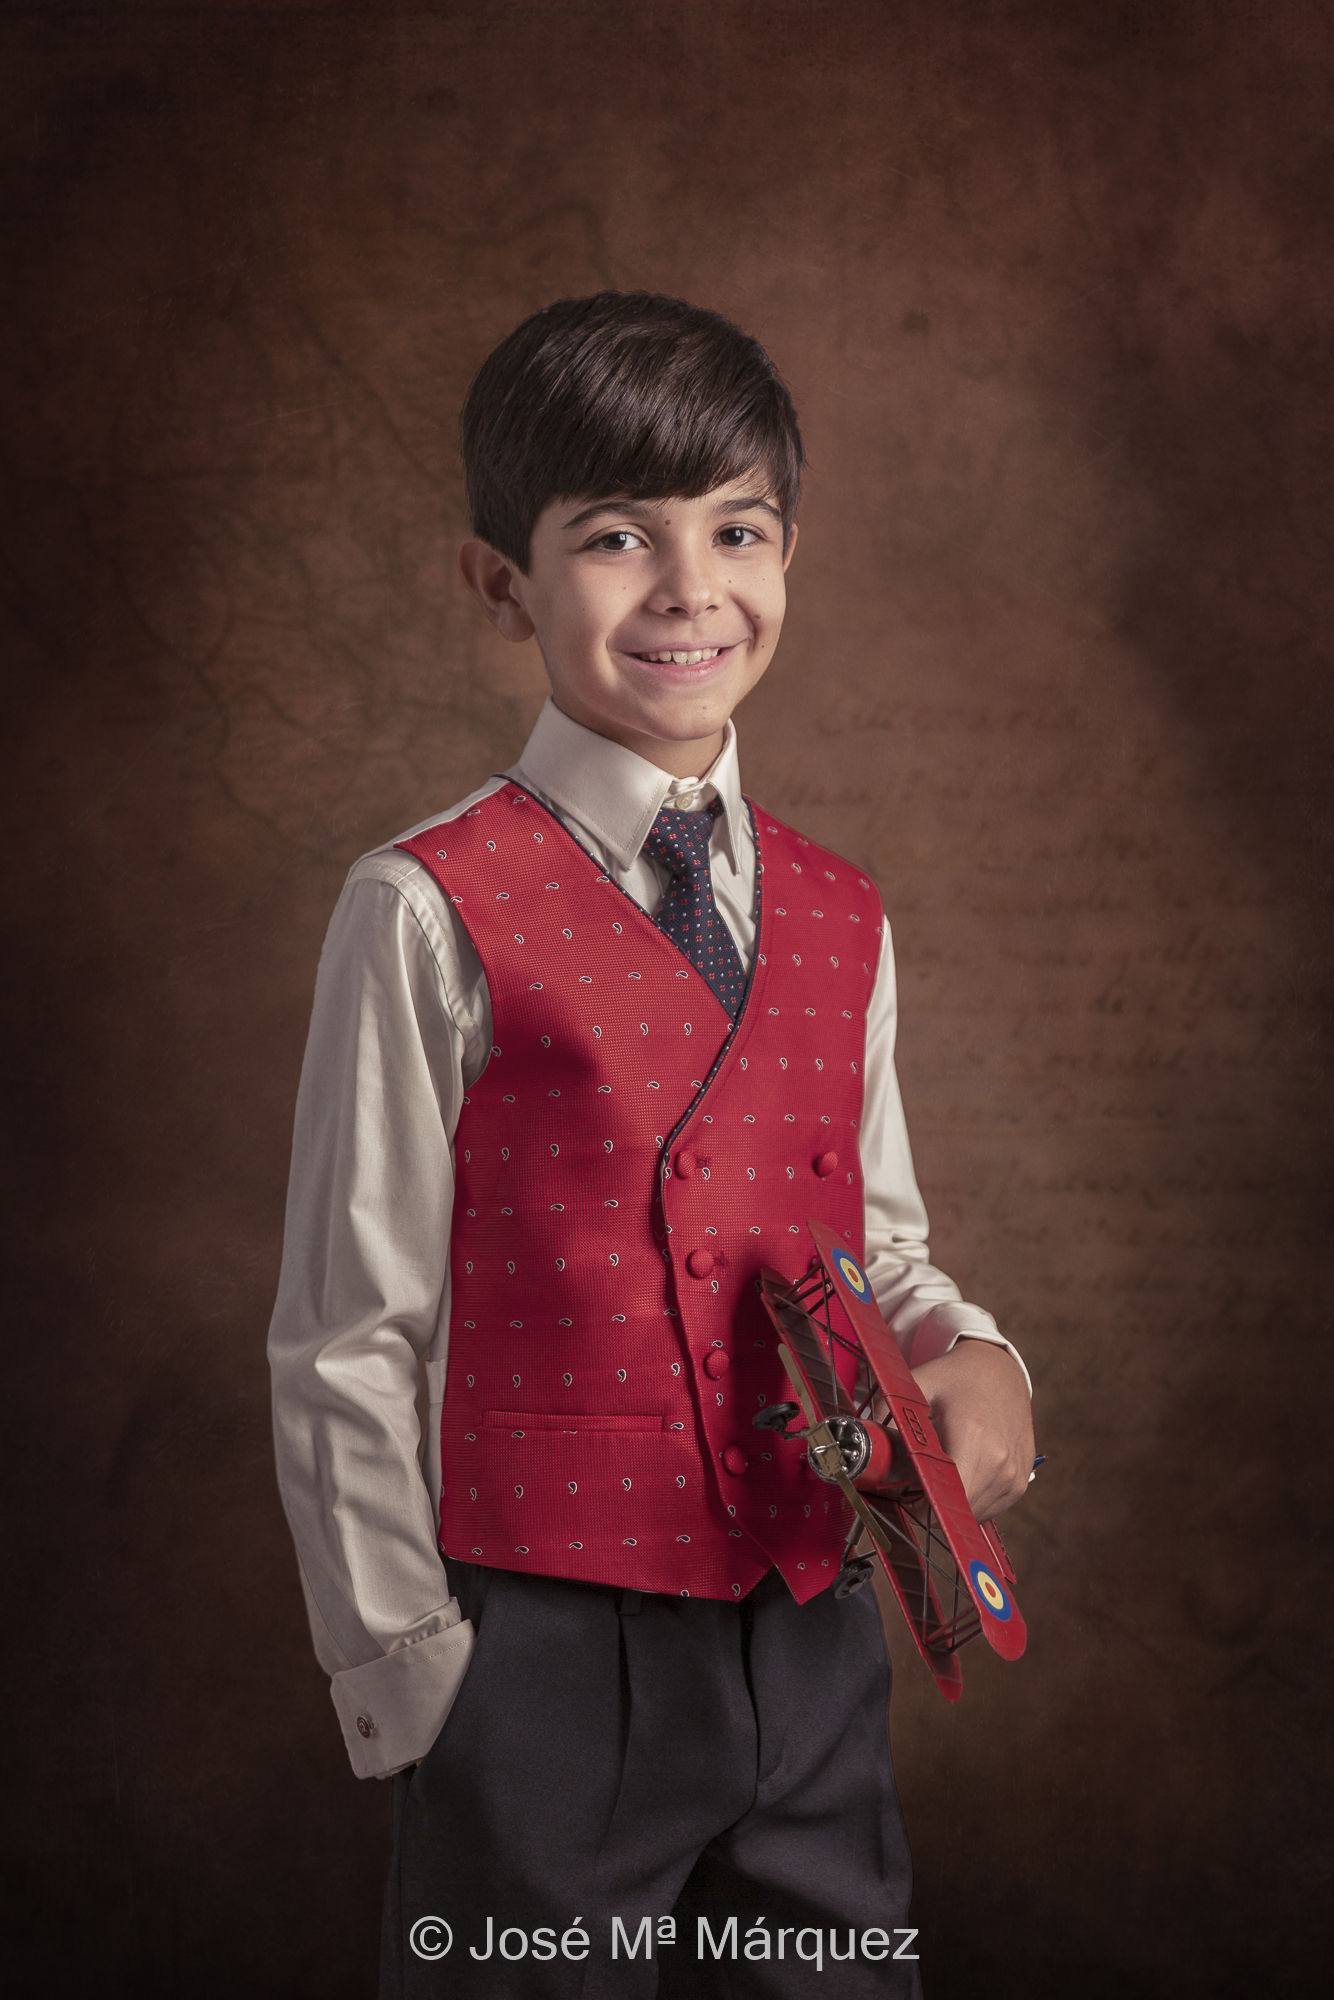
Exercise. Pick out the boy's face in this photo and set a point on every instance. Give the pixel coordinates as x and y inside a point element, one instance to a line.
<point>655,617</point>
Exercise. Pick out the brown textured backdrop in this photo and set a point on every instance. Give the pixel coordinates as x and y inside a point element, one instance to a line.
<point>1051,285</point>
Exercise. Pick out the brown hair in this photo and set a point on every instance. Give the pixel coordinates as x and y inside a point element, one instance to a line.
<point>622,394</point>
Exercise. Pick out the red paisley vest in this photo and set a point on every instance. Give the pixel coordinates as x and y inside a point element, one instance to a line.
<point>626,1164</point>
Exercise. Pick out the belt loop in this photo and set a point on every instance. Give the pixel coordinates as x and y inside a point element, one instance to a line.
<point>631,1600</point>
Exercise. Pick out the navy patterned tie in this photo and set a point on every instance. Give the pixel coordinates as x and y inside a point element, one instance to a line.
<point>689,916</point>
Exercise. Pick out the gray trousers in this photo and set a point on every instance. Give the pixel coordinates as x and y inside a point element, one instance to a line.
<point>719,1769</point>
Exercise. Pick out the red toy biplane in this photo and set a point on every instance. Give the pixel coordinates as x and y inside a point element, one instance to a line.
<point>949,1572</point>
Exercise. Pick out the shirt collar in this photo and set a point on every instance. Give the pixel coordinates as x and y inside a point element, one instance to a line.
<point>615,795</point>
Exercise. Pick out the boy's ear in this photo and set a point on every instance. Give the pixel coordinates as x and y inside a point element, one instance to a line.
<point>490,577</point>
<point>791,544</point>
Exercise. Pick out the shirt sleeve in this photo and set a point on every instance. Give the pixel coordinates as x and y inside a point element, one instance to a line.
<point>922,1307</point>
<point>362,1303</point>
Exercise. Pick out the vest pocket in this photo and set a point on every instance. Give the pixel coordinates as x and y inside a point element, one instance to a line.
<point>571,1420</point>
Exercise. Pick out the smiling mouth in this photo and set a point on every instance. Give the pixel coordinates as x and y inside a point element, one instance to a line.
<point>698,658</point>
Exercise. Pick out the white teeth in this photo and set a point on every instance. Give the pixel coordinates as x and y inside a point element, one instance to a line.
<point>683,659</point>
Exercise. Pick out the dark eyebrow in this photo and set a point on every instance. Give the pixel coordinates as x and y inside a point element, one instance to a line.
<point>635,507</point>
<point>639,509</point>
<point>751,503</point>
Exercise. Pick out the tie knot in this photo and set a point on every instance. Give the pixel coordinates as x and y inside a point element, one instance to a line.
<point>681,839</point>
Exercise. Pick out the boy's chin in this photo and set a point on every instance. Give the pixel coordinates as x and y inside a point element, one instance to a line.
<point>676,739</point>
<point>685,706</point>
<point>687,720</point>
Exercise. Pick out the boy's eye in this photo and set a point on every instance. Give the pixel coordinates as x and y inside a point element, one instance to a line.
<point>737,537</point>
<point>616,541</point>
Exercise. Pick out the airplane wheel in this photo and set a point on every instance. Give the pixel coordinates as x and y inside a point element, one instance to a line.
<point>854,1575</point>
<point>776,1417</point>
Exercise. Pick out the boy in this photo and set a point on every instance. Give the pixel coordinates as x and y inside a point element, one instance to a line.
<point>587,1052</point>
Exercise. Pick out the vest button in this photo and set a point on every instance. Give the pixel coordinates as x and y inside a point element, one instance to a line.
<point>685,1165</point>
<point>716,1363</point>
<point>825,1165</point>
<point>699,1263</point>
<point>735,1460</point>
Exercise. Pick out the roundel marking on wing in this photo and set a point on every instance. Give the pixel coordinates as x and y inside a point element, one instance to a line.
<point>852,1273</point>
<point>991,1591</point>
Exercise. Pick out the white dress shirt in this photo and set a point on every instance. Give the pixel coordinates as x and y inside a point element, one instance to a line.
<point>401,1028</point>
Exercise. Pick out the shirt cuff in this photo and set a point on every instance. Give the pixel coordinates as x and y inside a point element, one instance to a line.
<point>392,1709</point>
<point>944,1325</point>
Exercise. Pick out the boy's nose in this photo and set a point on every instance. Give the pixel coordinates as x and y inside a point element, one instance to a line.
<point>686,586</point>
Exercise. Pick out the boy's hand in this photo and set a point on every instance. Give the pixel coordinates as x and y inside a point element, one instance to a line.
<point>983,1417</point>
